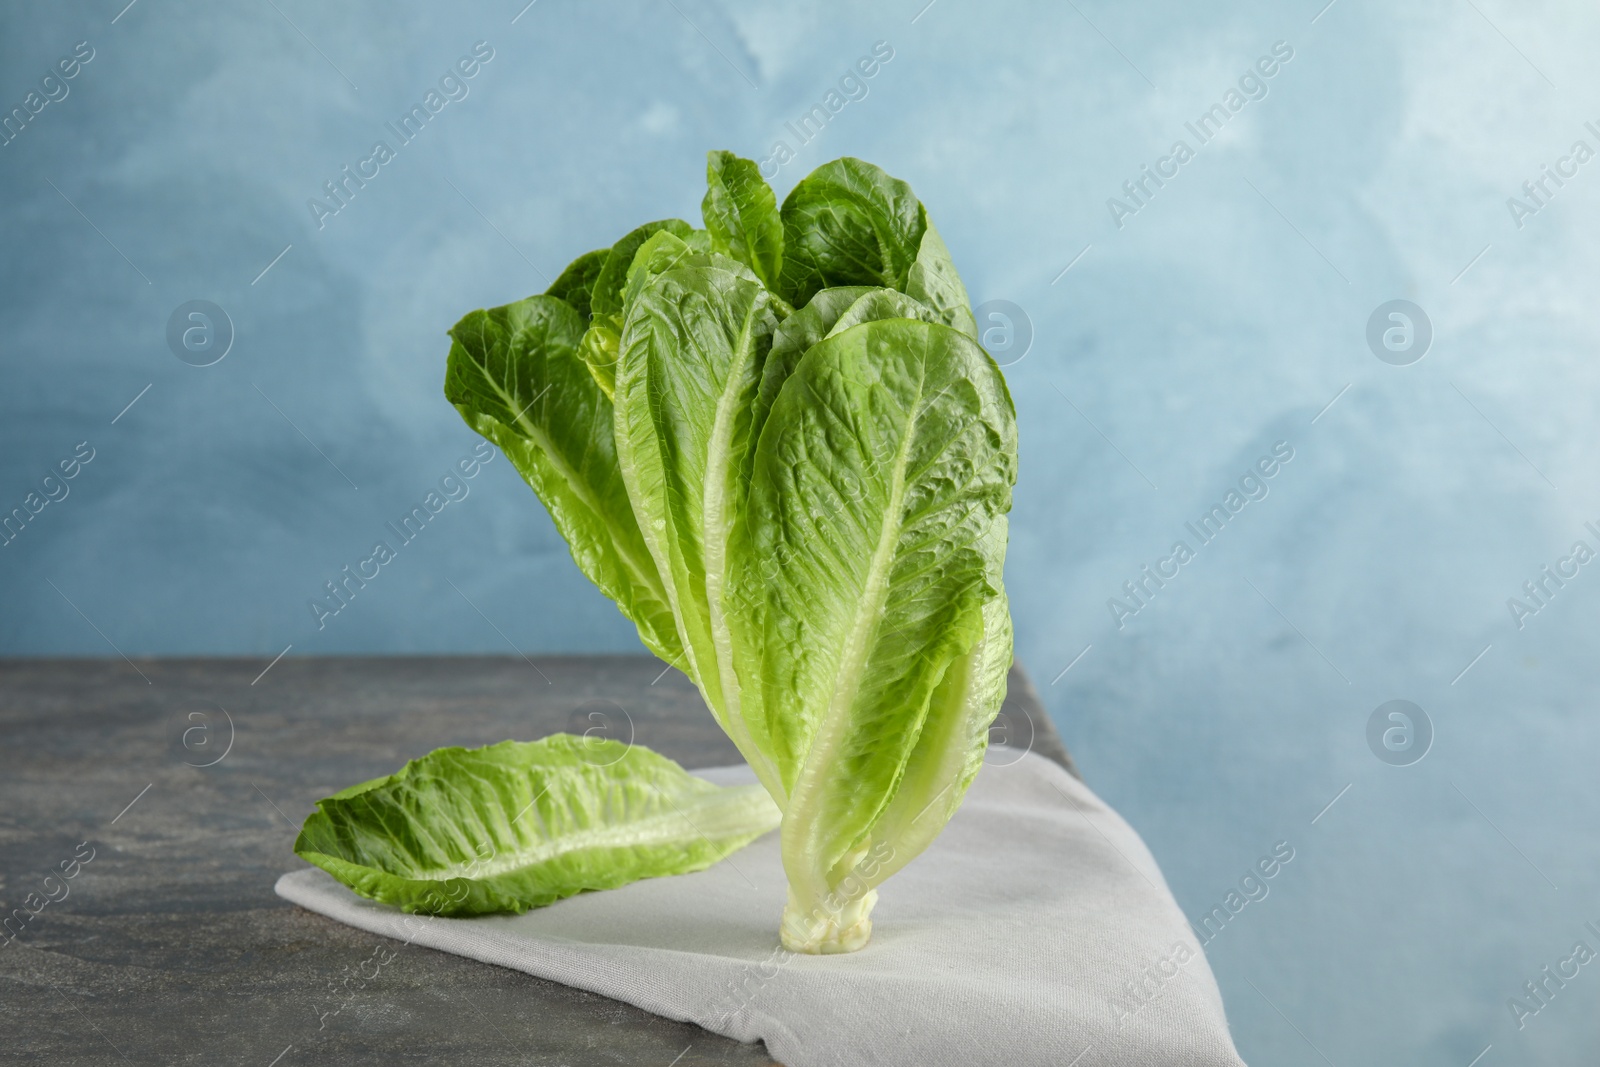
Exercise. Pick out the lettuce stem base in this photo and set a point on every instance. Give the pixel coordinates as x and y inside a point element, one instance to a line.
<point>827,926</point>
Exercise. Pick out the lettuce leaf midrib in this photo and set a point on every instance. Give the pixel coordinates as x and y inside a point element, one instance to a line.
<point>661,827</point>
<point>714,555</point>
<point>696,336</point>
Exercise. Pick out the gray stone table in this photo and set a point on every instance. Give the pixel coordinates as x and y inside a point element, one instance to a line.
<point>168,946</point>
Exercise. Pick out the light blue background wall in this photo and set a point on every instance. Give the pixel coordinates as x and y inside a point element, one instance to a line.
<point>1219,319</point>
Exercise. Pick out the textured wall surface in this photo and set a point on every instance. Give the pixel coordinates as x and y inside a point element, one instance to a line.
<point>1179,333</point>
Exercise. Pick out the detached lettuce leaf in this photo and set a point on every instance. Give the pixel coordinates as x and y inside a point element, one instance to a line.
<point>516,378</point>
<point>519,825</point>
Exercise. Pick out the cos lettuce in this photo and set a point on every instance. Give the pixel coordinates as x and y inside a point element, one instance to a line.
<point>519,825</point>
<point>776,444</point>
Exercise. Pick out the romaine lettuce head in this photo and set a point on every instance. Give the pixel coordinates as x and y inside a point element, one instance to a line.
<point>778,446</point>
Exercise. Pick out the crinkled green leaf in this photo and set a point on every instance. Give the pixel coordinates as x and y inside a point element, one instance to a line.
<point>519,825</point>
<point>829,311</point>
<point>606,295</point>
<point>693,346</point>
<point>933,281</point>
<point>665,250</point>
<point>955,732</point>
<point>876,304</point>
<point>880,476</point>
<point>795,336</point>
<point>658,252</point>
<point>516,377</point>
<point>849,223</point>
<point>578,280</point>
<point>741,213</point>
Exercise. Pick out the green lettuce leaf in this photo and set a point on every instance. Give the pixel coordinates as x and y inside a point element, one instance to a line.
<point>876,304</point>
<point>933,281</point>
<point>794,338</point>
<point>849,223</point>
<point>516,377</point>
<point>693,346</point>
<point>741,212</point>
<point>606,295</point>
<point>663,249</point>
<point>577,281</point>
<point>519,825</point>
<point>598,350</point>
<point>880,477</point>
<point>955,734</point>
<point>829,311</point>
<point>949,750</point>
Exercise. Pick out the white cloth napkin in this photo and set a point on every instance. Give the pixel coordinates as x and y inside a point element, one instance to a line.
<point>1036,930</point>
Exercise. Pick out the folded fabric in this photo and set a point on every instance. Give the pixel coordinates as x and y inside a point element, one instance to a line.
<point>1036,930</point>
